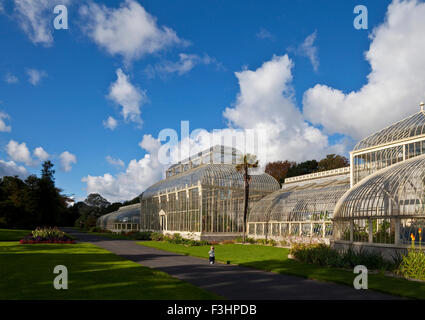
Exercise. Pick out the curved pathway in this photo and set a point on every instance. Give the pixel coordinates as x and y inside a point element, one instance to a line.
<point>228,281</point>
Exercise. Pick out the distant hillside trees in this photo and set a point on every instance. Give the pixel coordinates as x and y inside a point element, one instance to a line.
<point>94,206</point>
<point>34,201</point>
<point>286,169</point>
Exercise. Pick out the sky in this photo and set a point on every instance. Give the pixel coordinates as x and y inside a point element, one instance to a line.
<point>97,93</point>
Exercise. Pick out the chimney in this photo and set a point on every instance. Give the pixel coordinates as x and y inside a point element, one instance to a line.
<point>422,104</point>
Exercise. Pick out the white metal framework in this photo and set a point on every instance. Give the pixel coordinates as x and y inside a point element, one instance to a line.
<point>206,199</point>
<point>301,209</point>
<point>395,143</point>
<point>385,207</point>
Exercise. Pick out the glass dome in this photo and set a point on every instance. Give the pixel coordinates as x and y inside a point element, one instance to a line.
<point>298,209</point>
<point>207,199</point>
<point>406,128</point>
<point>125,218</point>
<point>223,175</point>
<point>386,206</point>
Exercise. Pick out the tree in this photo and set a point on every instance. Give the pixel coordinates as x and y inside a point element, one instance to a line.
<point>248,161</point>
<point>305,167</point>
<point>332,161</point>
<point>96,200</point>
<point>47,171</point>
<point>33,202</point>
<point>279,169</point>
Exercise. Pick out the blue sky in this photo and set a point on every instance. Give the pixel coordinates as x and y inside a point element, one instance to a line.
<point>65,110</point>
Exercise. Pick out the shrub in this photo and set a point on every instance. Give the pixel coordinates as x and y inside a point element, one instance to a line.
<point>47,235</point>
<point>228,241</point>
<point>96,229</point>
<point>413,265</point>
<point>156,236</point>
<point>324,255</point>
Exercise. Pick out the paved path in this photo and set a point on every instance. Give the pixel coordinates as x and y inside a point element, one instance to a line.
<point>231,282</point>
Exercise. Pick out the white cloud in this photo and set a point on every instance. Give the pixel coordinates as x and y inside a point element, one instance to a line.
<point>308,49</point>
<point>138,175</point>
<point>35,76</point>
<point>41,154</point>
<point>110,123</point>
<point>19,152</point>
<point>265,105</point>
<point>128,31</point>
<point>115,162</point>
<point>185,63</point>
<point>11,78</point>
<point>35,17</point>
<point>395,84</point>
<point>264,34</point>
<point>3,126</point>
<point>10,168</point>
<point>129,97</point>
<point>67,159</point>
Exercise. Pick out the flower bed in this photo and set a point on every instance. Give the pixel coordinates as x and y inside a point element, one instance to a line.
<point>47,235</point>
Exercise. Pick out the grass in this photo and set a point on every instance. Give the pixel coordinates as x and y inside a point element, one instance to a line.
<point>13,234</point>
<point>276,260</point>
<point>93,273</point>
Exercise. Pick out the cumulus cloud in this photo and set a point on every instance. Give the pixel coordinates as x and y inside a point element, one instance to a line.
<point>394,86</point>
<point>11,78</point>
<point>266,104</point>
<point>185,63</point>
<point>35,76</point>
<point>129,97</point>
<point>35,18</point>
<point>264,120</point>
<point>110,123</point>
<point>67,159</point>
<point>115,162</point>
<point>10,168</point>
<point>138,175</point>
<point>19,152</point>
<point>41,154</point>
<point>3,126</point>
<point>129,31</point>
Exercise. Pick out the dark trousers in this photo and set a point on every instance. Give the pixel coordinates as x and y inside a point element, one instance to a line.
<point>212,259</point>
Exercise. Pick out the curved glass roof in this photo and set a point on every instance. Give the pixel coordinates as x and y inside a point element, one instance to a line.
<point>222,175</point>
<point>406,128</point>
<point>312,200</point>
<point>397,190</point>
<point>127,214</point>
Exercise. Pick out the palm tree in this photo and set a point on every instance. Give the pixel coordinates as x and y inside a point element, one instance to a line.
<point>247,161</point>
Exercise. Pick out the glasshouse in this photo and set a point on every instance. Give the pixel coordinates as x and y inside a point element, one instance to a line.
<point>385,205</point>
<point>302,210</point>
<point>203,199</point>
<point>126,218</point>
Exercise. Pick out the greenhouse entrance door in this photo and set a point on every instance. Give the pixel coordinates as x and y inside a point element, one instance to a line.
<point>163,220</point>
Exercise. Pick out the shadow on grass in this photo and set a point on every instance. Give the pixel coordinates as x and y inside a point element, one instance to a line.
<point>91,275</point>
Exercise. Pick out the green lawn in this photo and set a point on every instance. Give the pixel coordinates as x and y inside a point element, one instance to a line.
<point>93,273</point>
<point>12,234</point>
<point>276,260</point>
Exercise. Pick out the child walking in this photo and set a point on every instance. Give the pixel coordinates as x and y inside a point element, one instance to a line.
<point>212,255</point>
